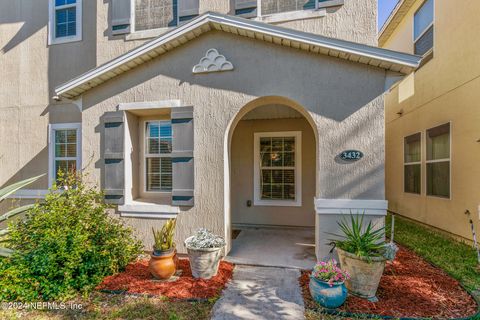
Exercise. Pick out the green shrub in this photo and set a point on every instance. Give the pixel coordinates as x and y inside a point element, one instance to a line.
<point>65,246</point>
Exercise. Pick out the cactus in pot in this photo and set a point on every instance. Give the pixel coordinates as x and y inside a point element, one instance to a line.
<point>361,254</point>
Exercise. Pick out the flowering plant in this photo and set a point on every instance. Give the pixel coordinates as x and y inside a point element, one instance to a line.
<point>329,272</point>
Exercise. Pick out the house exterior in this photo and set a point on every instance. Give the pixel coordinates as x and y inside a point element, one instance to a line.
<point>219,113</point>
<point>432,115</point>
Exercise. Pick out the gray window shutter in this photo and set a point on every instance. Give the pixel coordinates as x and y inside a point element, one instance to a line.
<point>246,8</point>
<point>187,9</point>
<point>113,136</point>
<point>121,16</point>
<point>182,156</point>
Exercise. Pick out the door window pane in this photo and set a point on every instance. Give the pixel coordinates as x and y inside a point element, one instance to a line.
<point>277,169</point>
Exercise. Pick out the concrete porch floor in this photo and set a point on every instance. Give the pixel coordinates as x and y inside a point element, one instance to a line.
<point>274,247</point>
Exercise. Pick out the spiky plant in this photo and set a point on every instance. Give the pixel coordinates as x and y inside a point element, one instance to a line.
<point>4,193</point>
<point>362,241</point>
<point>164,237</point>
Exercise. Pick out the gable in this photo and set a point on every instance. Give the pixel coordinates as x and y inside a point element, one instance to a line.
<point>359,53</point>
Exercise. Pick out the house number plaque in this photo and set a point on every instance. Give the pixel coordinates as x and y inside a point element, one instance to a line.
<point>351,155</point>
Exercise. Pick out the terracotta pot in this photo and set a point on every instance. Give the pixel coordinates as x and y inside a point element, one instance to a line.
<point>163,265</point>
<point>365,273</point>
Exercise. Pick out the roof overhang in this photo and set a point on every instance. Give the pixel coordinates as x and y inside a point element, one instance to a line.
<point>396,16</point>
<point>377,57</point>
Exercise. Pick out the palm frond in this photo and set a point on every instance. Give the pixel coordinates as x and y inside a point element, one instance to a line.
<point>8,190</point>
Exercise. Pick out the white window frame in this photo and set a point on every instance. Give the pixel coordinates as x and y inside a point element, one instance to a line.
<point>52,39</point>
<point>413,163</point>
<point>51,147</point>
<point>449,159</point>
<point>257,200</point>
<point>146,155</point>
<point>415,39</point>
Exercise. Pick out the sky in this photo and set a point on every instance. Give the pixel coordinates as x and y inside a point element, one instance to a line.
<point>384,9</point>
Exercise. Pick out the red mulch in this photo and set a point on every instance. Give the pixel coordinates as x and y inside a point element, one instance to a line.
<point>410,287</point>
<point>137,279</point>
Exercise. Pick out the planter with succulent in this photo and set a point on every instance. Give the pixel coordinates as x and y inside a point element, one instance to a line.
<point>162,264</point>
<point>327,284</point>
<point>361,254</point>
<point>204,252</point>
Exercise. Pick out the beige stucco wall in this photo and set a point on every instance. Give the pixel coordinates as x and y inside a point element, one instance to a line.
<point>444,90</point>
<point>242,175</point>
<point>31,69</point>
<point>342,99</point>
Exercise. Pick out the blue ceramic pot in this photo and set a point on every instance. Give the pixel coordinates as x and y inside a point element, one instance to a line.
<point>328,297</point>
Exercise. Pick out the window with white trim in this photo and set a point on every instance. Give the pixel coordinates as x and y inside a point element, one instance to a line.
<point>65,21</point>
<point>65,149</point>
<point>158,161</point>
<point>438,161</point>
<point>423,28</point>
<point>412,172</point>
<point>277,168</point>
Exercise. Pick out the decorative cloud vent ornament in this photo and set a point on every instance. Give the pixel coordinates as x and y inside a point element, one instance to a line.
<point>212,62</point>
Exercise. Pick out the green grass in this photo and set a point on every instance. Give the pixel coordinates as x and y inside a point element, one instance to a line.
<point>459,260</point>
<point>109,307</point>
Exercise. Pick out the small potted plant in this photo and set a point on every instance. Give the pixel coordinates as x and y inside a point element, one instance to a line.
<point>204,252</point>
<point>361,254</point>
<point>327,284</point>
<point>162,260</point>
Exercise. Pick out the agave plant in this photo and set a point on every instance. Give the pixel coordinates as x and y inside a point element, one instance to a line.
<point>164,237</point>
<point>363,241</point>
<point>4,193</point>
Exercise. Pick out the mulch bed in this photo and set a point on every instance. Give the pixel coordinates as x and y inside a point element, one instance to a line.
<point>136,279</point>
<point>410,287</point>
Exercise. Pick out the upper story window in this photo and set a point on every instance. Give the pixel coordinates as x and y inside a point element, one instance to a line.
<point>65,21</point>
<point>423,28</point>
<point>155,14</point>
<point>158,14</point>
<point>257,8</point>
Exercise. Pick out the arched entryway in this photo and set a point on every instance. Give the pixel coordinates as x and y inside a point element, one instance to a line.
<point>272,152</point>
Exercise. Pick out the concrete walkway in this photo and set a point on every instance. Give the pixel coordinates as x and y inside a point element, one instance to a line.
<point>274,247</point>
<point>261,293</point>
